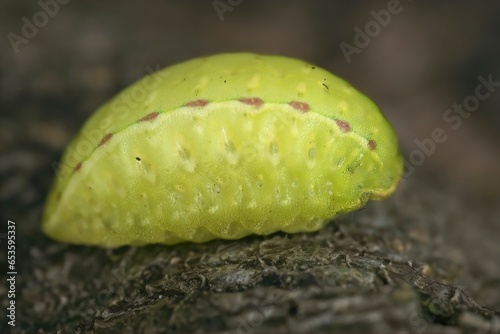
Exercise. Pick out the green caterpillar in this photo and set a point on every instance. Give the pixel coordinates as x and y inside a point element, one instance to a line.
<point>222,147</point>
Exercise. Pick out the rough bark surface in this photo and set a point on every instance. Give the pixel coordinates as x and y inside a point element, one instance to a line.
<point>384,268</point>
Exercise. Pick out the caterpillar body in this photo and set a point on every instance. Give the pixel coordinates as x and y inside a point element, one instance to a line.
<point>222,147</point>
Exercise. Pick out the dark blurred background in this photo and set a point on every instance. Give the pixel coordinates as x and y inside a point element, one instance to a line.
<point>60,60</point>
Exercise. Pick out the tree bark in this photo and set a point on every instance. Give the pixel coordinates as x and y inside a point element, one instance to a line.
<point>384,269</point>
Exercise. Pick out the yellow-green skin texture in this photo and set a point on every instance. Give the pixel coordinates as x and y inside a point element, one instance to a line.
<point>222,147</point>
